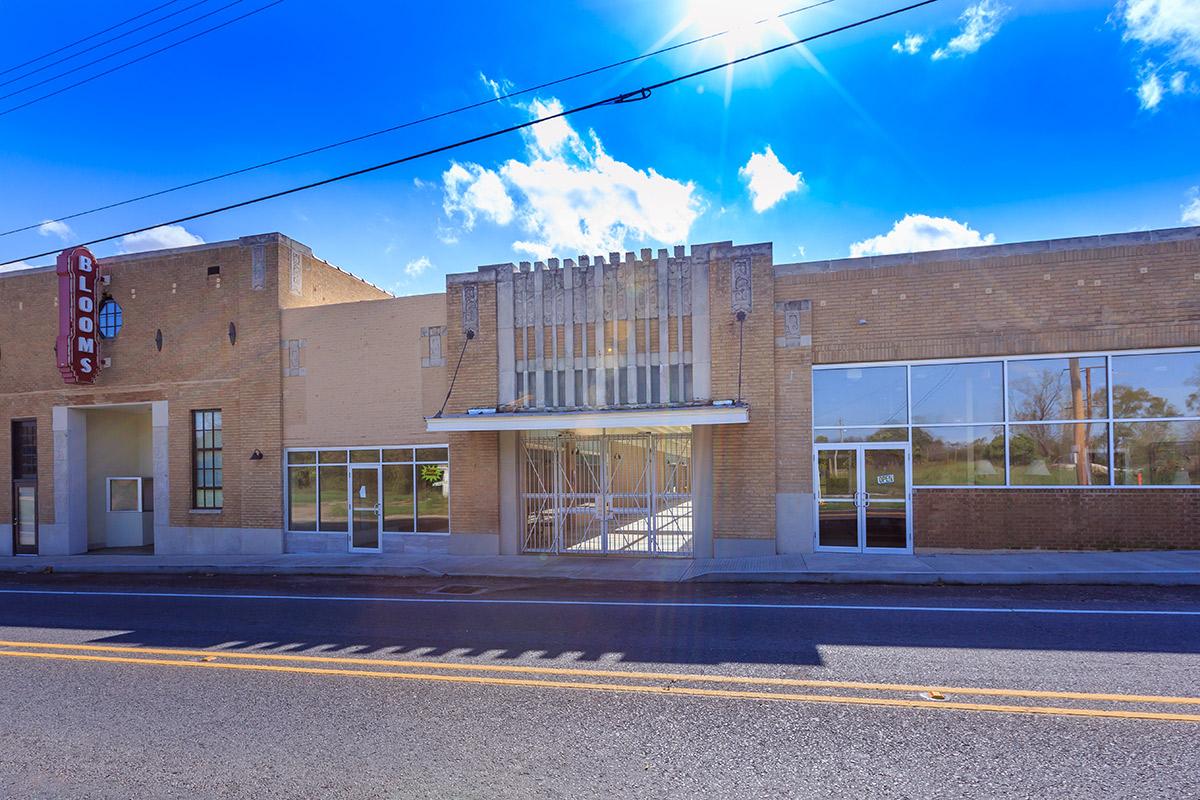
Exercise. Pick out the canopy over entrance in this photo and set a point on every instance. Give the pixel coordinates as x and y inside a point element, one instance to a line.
<point>590,419</point>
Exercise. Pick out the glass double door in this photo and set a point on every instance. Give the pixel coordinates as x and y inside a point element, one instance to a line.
<point>366,510</point>
<point>863,497</point>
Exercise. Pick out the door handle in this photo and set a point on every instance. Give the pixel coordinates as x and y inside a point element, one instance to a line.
<point>866,499</point>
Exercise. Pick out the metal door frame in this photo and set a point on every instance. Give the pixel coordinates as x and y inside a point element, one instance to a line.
<point>377,508</point>
<point>862,498</point>
<point>550,499</point>
<point>18,548</point>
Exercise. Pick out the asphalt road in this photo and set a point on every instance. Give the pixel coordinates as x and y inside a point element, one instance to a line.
<point>370,688</point>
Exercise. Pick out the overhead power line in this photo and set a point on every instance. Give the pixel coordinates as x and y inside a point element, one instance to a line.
<point>470,106</point>
<point>643,93</point>
<point>143,57</point>
<point>116,53</point>
<point>109,40</point>
<point>86,38</point>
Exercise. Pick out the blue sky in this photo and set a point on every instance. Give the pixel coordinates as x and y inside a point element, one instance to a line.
<point>955,124</point>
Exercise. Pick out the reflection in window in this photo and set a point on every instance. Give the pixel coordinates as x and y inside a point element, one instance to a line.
<point>971,392</point>
<point>1156,385</point>
<point>302,498</point>
<point>1058,389</point>
<point>860,396</point>
<point>1157,453</point>
<point>839,435</point>
<point>433,498</point>
<point>1072,454</point>
<point>332,508</point>
<point>837,471</point>
<point>958,456</point>
<point>398,498</point>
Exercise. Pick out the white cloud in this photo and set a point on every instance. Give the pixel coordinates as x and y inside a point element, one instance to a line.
<point>417,267</point>
<point>16,265</point>
<point>569,195</point>
<point>1170,24</point>
<point>911,44</point>
<point>1169,32</point>
<point>919,232</point>
<point>1190,212</point>
<point>768,180</point>
<point>980,22</point>
<point>1150,91</point>
<point>160,238</point>
<point>471,191</point>
<point>55,228</point>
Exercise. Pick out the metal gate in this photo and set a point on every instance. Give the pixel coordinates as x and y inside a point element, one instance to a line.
<point>607,493</point>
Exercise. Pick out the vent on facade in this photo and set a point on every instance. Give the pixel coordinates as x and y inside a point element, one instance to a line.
<point>214,271</point>
<point>106,363</point>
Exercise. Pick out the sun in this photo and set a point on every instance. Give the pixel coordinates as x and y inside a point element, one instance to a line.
<point>732,29</point>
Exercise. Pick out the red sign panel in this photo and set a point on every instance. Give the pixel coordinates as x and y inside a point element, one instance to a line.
<point>78,342</point>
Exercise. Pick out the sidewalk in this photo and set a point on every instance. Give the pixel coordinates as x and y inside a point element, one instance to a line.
<point>1148,568</point>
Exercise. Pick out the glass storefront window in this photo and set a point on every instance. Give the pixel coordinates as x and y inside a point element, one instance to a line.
<point>1071,454</point>
<point>415,484</point>
<point>1156,385</point>
<point>958,456</point>
<point>1157,453</point>
<point>302,498</point>
<point>332,508</point>
<point>1058,389</point>
<point>969,392</point>
<point>398,498</point>
<point>433,498</point>
<point>860,396</point>
<point>837,435</point>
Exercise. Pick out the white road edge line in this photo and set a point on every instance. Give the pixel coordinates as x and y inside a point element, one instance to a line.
<point>623,603</point>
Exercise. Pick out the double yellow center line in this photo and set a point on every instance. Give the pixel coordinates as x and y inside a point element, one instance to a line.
<point>664,683</point>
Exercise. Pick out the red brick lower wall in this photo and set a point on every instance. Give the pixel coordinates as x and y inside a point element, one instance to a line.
<point>1057,519</point>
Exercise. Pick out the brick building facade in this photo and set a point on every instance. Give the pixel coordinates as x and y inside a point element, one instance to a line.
<point>696,403</point>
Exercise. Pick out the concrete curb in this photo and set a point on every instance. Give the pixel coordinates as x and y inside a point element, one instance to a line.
<point>914,578</point>
<point>1121,578</point>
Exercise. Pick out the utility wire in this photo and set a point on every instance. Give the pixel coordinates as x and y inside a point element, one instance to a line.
<point>86,38</point>
<point>141,57</point>
<point>496,99</point>
<point>110,40</point>
<point>116,53</point>
<point>625,97</point>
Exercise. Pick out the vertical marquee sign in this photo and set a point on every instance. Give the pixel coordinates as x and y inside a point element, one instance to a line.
<point>78,344</point>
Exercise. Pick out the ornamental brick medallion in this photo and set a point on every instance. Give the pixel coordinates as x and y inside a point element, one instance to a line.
<point>740,282</point>
<point>470,307</point>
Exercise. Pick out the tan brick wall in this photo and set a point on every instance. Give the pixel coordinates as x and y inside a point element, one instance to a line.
<point>197,367</point>
<point>364,356</point>
<point>1056,519</point>
<point>1073,300</point>
<point>1131,296</point>
<point>474,457</point>
<point>321,283</point>
<point>474,482</point>
<point>744,455</point>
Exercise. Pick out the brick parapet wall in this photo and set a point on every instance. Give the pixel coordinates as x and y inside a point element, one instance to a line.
<point>474,457</point>
<point>743,455</point>
<point>1056,519</point>
<point>1145,295</point>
